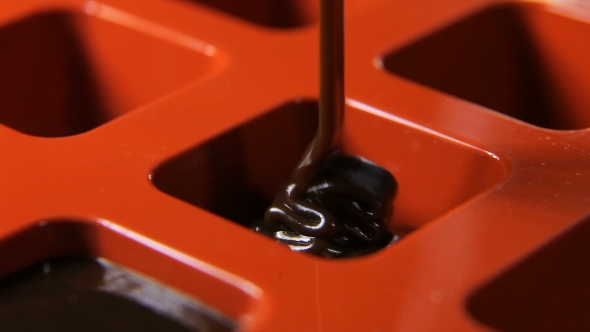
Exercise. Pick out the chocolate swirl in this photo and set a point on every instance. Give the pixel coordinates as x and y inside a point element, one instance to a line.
<point>344,211</point>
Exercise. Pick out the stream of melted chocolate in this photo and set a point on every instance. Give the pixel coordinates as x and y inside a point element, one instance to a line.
<point>333,205</point>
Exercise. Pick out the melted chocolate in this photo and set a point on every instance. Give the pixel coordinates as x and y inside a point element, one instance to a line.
<point>333,205</point>
<point>79,294</point>
<point>343,212</point>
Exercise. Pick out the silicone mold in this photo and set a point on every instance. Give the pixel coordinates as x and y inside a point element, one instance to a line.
<point>148,133</point>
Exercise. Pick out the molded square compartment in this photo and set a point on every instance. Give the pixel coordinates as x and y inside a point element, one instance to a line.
<point>77,294</point>
<point>280,14</point>
<point>64,73</point>
<point>236,174</point>
<point>54,283</point>
<point>547,291</point>
<point>526,60</point>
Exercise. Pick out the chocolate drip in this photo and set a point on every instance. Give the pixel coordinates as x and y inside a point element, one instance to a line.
<point>333,205</point>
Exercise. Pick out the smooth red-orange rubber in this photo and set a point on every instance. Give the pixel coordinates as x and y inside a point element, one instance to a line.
<point>128,127</point>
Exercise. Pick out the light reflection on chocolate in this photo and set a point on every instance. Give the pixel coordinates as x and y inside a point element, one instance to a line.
<point>82,294</point>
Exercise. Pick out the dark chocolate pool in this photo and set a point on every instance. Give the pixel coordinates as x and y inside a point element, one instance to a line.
<point>83,294</point>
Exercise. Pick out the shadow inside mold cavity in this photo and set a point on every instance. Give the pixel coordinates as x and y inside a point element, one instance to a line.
<point>237,174</point>
<point>64,72</point>
<point>50,280</point>
<point>525,60</point>
<point>278,14</point>
<point>548,291</point>
<point>77,294</point>
<point>47,85</point>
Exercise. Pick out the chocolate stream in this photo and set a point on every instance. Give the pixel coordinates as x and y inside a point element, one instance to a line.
<point>332,205</point>
<point>326,141</point>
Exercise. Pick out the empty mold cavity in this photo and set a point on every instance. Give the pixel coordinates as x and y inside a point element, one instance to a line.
<point>548,291</point>
<point>270,13</point>
<point>236,174</point>
<point>60,276</point>
<point>64,73</point>
<point>526,60</point>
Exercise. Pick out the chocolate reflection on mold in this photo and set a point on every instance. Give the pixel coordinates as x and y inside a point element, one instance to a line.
<point>79,293</point>
<point>333,205</point>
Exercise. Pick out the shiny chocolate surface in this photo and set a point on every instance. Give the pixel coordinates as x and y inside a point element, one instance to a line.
<point>82,294</point>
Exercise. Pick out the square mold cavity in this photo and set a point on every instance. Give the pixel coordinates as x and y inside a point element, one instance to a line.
<point>281,14</point>
<point>526,60</point>
<point>52,282</point>
<point>236,174</point>
<point>548,291</point>
<point>64,73</point>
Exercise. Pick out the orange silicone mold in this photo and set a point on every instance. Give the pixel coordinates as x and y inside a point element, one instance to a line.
<point>149,132</point>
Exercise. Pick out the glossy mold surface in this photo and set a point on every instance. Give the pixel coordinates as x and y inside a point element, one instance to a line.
<point>66,72</point>
<point>158,128</point>
<point>235,175</point>
<point>547,291</point>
